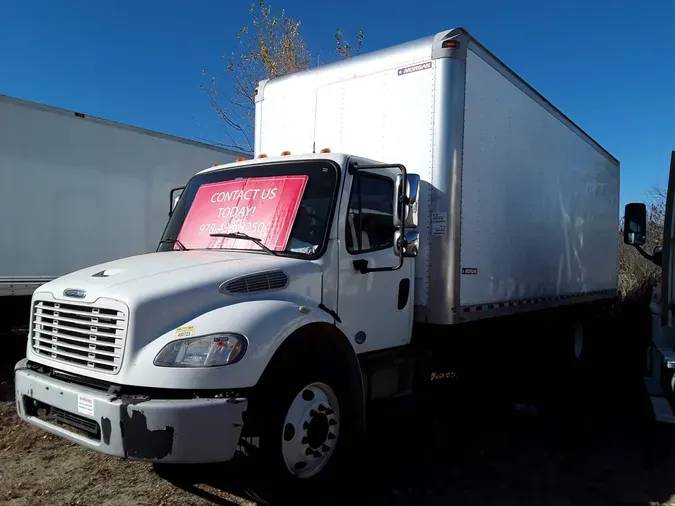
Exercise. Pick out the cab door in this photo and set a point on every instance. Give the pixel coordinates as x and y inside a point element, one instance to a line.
<point>376,308</point>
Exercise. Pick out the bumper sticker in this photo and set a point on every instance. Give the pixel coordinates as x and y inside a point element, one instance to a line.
<point>85,405</point>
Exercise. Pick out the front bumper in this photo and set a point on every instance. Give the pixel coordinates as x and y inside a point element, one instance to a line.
<point>157,430</point>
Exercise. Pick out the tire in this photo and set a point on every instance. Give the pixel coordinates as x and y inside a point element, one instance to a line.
<point>305,426</point>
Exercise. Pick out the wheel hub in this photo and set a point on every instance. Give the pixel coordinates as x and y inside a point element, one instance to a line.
<point>310,430</point>
<point>317,431</point>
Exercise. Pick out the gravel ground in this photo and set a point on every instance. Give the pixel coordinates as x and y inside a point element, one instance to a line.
<point>601,453</point>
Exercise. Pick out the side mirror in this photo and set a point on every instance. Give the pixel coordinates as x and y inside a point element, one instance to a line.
<point>411,243</point>
<point>412,191</point>
<point>174,196</point>
<point>635,224</point>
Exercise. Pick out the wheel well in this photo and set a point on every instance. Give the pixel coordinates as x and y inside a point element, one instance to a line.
<point>326,343</point>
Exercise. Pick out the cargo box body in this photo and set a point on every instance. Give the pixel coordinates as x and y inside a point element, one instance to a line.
<point>78,190</point>
<point>519,207</point>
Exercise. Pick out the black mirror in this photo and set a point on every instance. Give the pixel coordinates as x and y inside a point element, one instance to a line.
<point>635,224</point>
<point>173,198</point>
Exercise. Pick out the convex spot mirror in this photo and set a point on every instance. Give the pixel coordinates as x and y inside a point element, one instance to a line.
<point>411,211</point>
<point>410,245</point>
<point>635,224</point>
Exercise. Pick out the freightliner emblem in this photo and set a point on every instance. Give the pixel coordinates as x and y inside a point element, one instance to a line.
<point>72,292</point>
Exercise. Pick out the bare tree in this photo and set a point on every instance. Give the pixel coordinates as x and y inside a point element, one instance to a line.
<point>344,48</point>
<point>269,46</point>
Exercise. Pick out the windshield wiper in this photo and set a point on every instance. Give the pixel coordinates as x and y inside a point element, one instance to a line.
<point>172,240</point>
<point>241,235</point>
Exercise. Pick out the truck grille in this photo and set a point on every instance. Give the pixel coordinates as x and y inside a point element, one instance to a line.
<point>79,334</point>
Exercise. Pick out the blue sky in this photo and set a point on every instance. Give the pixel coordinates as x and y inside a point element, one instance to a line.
<point>609,65</point>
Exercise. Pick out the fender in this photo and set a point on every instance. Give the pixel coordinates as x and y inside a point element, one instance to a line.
<point>265,324</point>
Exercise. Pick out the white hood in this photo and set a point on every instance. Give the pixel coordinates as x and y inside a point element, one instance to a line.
<point>163,291</point>
<point>134,280</point>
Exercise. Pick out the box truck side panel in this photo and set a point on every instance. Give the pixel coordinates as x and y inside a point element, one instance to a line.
<point>81,191</point>
<point>386,116</point>
<point>286,123</point>
<point>540,202</point>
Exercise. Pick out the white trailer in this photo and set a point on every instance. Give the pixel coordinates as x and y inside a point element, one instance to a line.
<point>408,194</point>
<point>79,190</point>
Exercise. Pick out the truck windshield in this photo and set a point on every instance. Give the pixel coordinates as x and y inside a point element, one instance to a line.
<point>286,205</point>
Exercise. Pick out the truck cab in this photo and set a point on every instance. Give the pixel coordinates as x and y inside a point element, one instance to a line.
<point>247,321</point>
<point>660,363</point>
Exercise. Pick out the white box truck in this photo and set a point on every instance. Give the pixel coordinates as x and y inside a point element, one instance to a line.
<point>397,201</point>
<point>78,190</point>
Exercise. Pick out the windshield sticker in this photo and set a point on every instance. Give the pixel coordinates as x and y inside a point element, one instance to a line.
<point>261,207</point>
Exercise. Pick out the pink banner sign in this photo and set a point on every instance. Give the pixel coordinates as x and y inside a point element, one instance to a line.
<point>262,207</point>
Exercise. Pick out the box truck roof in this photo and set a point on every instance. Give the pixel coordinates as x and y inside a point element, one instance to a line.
<point>407,55</point>
<point>115,124</point>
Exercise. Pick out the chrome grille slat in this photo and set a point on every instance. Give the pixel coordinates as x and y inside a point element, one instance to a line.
<point>65,308</point>
<point>83,335</point>
<point>76,331</point>
<point>81,358</point>
<point>63,344</point>
<point>82,322</point>
<point>263,281</point>
<point>37,331</point>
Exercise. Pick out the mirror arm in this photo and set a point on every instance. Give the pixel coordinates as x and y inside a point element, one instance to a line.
<point>644,254</point>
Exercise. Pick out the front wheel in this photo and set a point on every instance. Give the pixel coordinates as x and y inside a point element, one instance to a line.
<point>304,426</point>
<point>311,429</point>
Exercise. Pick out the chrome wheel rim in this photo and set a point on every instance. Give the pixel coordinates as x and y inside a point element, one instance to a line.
<point>311,429</point>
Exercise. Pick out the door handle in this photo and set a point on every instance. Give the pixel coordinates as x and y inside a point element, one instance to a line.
<point>361,265</point>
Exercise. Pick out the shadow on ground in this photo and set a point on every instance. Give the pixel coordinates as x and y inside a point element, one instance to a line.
<point>459,451</point>
<point>13,349</point>
<point>587,439</point>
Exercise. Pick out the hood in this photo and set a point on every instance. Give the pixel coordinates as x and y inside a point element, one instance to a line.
<point>163,291</point>
<point>135,279</point>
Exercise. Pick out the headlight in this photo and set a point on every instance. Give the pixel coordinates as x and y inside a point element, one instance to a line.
<point>206,351</point>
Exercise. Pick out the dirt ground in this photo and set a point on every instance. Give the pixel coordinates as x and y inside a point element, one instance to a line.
<point>601,452</point>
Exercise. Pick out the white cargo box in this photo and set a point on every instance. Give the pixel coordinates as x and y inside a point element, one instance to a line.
<point>78,190</point>
<point>519,206</point>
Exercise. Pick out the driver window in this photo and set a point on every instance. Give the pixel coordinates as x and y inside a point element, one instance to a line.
<point>370,220</point>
